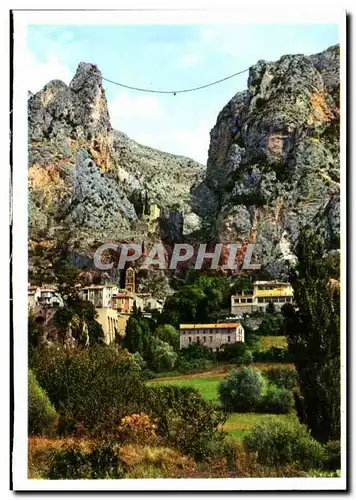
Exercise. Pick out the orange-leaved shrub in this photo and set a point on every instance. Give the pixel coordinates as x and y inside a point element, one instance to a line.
<point>137,428</point>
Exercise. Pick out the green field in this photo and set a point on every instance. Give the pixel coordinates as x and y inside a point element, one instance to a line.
<point>238,423</point>
<point>273,341</point>
<point>206,386</point>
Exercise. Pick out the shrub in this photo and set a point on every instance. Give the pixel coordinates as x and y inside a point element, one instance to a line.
<point>282,377</point>
<point>194,365</point>
<point>137,428</point>
<point>276,400</point>
<point>91,389</point>
<point>242,389</point>
<point>237,352</point>
<point>184,419</point>
<point>332,455</point>
<point>224,447</point>
<point>155,462</point>
<point>274,354</point>
<point>280,443</point>
<point>197,351</point>
<point>42,417</point>
<point>103,462</point>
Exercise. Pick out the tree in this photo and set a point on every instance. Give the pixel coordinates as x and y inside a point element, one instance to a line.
<point>270,308</point>
<point>313,332</point>
<point>242,389</point>
<point>199,301</point>
<point>42,417</point>
<point>162,356</point>
<point>138,334</point>
<point>167,333</point>
<point>146,205</point>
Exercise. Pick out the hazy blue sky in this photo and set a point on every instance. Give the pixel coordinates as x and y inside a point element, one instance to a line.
<point>168,57</point>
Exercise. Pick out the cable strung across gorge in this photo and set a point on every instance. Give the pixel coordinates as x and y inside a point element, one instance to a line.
<point>174,92</point>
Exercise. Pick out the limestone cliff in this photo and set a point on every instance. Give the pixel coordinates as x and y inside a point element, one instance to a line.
<point>273,162</point>
<point>273,165</point>
<point>85,175</point>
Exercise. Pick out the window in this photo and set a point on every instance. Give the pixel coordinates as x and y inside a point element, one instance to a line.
<point>229,338</point>
<point>204,339</point>
<point>211,338</point>
<point>198,339</point>
<point>249,301</point>
<point>189,339</point>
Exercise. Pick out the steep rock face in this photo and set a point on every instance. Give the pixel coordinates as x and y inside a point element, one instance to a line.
<point>85,174</point>
<point>273,162</point>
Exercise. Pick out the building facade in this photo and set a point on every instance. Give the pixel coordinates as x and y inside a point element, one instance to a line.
<point>99,295</point>
<point>112,323</point>
<point>211,335</point>
<point>45,295</point>
<point>262,293</point>
<point>124,301</point>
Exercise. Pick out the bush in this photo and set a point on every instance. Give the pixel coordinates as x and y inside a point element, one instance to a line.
<point>42,417</point>
<point>282,377</point>
<point>237,352</point>
<point>280,443</point>
<point>332,455</point>
<point>91,389</point>
<point>137,428</point>
<point>242,390</point>
<point>197,351</point>
<point>274,354</point>
<point>194,365</point>
<point>103,462</point>
<point>184,419</point>
<point>226,447</point>
<point>276,400</point>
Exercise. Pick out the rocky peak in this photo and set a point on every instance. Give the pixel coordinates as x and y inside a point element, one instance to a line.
<point>274,156</point>
<point>64,119</point>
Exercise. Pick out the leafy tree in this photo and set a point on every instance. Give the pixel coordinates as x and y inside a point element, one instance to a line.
<point>167,333</point>
<point>91,389</point>
<point>138,334</point>
<point>313,329</point>
<point>242,389</point>
<point>197,351</point>
<point>162,356</point>
<point>42,417</point>
<point>199,301</point>
<point>270,309</point>
<point>237,352</point>
<point>272,323</point>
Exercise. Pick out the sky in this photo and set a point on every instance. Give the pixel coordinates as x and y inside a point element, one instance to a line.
<point>168,58</point>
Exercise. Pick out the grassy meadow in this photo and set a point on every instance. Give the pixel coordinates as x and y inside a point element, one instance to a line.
<point>207,384</point>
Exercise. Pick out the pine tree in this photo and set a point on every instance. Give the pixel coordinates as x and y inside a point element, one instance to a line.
<point>313,330</point>
<point>147,205</point>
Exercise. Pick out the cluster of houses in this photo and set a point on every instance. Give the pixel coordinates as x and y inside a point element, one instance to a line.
<point>114,306</point>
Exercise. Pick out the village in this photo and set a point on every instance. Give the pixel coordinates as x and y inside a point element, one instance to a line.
<point>114,307</point>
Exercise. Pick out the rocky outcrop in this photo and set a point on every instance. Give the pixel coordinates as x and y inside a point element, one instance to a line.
<point>273,162</point>
<point>84,174</point>
<point>273,166</point>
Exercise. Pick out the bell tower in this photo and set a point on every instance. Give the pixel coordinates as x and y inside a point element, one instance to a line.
<point>130,280</point>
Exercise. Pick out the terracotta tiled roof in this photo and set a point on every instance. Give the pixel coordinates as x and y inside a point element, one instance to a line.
<point>210,326</point>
